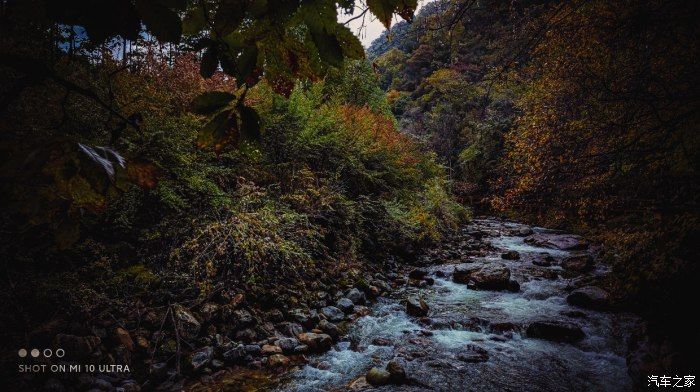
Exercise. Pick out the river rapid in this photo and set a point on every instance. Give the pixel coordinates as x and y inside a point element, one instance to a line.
<point>438,352</point>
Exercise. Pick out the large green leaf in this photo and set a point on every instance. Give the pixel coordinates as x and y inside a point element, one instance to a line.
<point>229,16</point>
<point>383,10</point>
<point>350,44</point>
<point>160,20</point>
<point>210,61</point>
<point>194,21</point>
<point>219,131</point>
<point>328,46</point>
<point>250,123</point>
<point>212,101</point>
<point>247,61</point>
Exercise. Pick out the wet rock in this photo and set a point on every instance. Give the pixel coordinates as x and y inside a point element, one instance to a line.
<point>277,360</point>
<point>360,310</point>
<point>329,328</point>
<point>358,384</point>
<point>253,349</point>
<point>510,255</point>
<point>555,330</point>
<point>356,296</point>
<point>416,307</point>
<point>332,313</point>
<point>217,364</point>
<point>275,315</point>
<point>589,297</point>
<point>287,345</point>
<point>557,241</point>
<point>578,263</point>
<point>504,327</point>
<point>201,358</point>
<point>513,286</point>
<point>417,273</point>
<point>473,354</point>
<point>188,324</point>
<point>124,338</point>
<point>77,347</point>
<point>345,305</point>
<point>243,318</point>
<point>317,342</point>
<point>377,377</point>
<point>462,273</point>
<point>268,349</point>
<point>397,374</point>
<point>524,232</point>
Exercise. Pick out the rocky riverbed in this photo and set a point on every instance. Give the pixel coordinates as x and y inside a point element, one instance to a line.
<point>502,306</point>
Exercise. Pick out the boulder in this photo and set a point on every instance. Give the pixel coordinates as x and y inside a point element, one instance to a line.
<point>417,273</point>
<point>188,325</point>
<point>491,276</point>
<point>416,307</point>
<point>397,374</point>
<point>332,313</point>
<point>235,354</point>
<point>377,377</point>
<point>555,330</point>
<point>589,297</point>
<point>317,342</point>
<point>578,263</point>
<point>557,241</point>
<point>513,286</point>
<point>462,273</point>
<point>510,255</point>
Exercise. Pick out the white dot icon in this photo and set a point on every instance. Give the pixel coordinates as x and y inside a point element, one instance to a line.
<point>35,353</point>
<point>22,353</point>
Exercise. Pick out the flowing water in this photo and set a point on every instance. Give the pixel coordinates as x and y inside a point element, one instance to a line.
<point>431,351</point>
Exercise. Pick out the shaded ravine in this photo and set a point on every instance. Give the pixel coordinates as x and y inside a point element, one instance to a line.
<point>433,350</point>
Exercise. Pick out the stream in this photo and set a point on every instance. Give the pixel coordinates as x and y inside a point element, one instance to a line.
<point>433,352</point>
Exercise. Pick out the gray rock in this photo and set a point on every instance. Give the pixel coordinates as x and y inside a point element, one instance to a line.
<point>356,296</point>
<point>330,329</point>
<point>253,349</point>
<point>589,297</point>
<point>290,329</point>
<point>557,241</point>
<point>345,305</point>
<point>578,263</point>
<point>416,307</point>
<point>307,318</point>
<point>287,344</point>
<point>417,273</point>
<point>332,313</point>
<point>235,354</point>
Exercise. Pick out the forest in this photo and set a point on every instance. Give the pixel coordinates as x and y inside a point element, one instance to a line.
<point>237,195</point>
